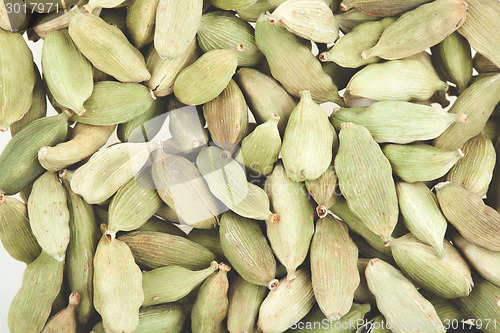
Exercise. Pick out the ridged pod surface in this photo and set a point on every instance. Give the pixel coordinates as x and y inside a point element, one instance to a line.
<point>141,16</point>
<point>446,309</point>
<point>232,4</point>
<point>324,190</point>
<point>484,65</point>
<point>315,321</point>
<point>64,320</point>
<point>382,7</point>
<point>363,294</point>
<point>208,238</point>
<point>353,17</point>
<point>245,299</point>
<point>252,13</point>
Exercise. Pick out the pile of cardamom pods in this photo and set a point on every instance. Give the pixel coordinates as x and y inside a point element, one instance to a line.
<point>383,216</point>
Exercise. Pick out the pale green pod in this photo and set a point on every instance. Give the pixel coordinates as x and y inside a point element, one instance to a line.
<point>94,4</point>
<point>478,101</point>
<point>31,306</point>
<point>231,4</point>
<point>260,149</point>
<point>352,18</point>
<point>245,299</point>
<point>208,238</point>
<point>493,195</point>
<point>324,190</point>
<point>422,215</point>
<point>107,48</point>
<point>186,125</point>
<point>222,30</point>
<point>85,140</point>
<point>399,122</point>
<point>158,225</point>
<point>67,73</point>
<point>420,162</point>
<point>467,212</point>
<point>363,294</point>
<point>156,249</point>
<point>108,170</point>
<point>484,65</point>
<point>64,320</point>
<point>286,305</point>
<point>252,13</point>
<point>207,77</point>
<point>176,25</point>
<point>362,168</point>
<point>15,230</point>
<point>247,250</point>
<point>227,180</point>
<point>49,215</point>
<point>308,141</point>
<point>475,171</point>
<point>304,72</point>
<point>340,75</point>
<point>334,271</point>
<point>347,50</point>
<point>171,283</point>
<point>315,321</point>
<point>49,22</point>
<point>398,299</point>
<point>382,7</point>
<point>367,251</point>
<point>165,71</point>
<point>141,16</point>
<point>291,235</point>
<point>210,307</point>
<point>435,20</point>
<point>447,310</point>
<point>403,80</point>
<point>113,103</point>
<point>17,78</point>
<point>453,60</point>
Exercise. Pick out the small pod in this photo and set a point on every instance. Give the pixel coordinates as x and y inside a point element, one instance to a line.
<point>381,7</point>
<point>14,21</point>
<point>245,299</point>
<point>352,18</point>
<point>324,190</point>
<point>64,320</point>
<point>141,15</point>
<point>158,225</point>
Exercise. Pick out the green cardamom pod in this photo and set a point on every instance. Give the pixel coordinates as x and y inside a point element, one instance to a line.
<point>186,125</point>
<point>315,321</point>
<point>208,238</point>
<point>446,309</point>
<point>141,16</point>
<point>64,320</point>
<point>353,17</point>
<point>381,7</point>
<point>252,13</point>
<point>232,4</point>
<point>324,190</point>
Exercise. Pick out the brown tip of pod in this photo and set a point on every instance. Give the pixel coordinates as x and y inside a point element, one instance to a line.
<point>68,113</point>
<point>272,20</point>
<point>274,116</point>
<point>364,55</point>
<point>74,299</point>
<point>273,284</point>
<point>274,218</point>
<point>73,7</point>
<point>461,153</point>
<point>240,47</point>
<point>387,241</point>
<point>87,8</point>
<point>224,267</point>
<point>462,118</point>
<point>214,265</point>
<point>322,57</point>
<point>344,7</point>
<point>322,211</point>
<point>2,198</point>
<point>62,173</point>
<point>225,154</point>
<point>110,235</point>
<point>372,261</point>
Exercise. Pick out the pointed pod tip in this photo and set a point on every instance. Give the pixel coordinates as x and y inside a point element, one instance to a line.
<point>272,19</point>
<point>373,261</point>
<point>334,316</point>
<point>345,125</point>
<point>305,94</point>
<point>344,7</point>
<point>387,241</point>
<point>110,235</point>
<point>461,153</point>
<point>73,7</point>
<point>274,218</point>
<point>273,284</point>
<point>240,47</point>
<point>322,211</point>
<point>74,299</point>
<point>462,118</point>
<point>2,198</point>
<point>291,276</point>
<point>274,116</point>
<point>223,267</point>
<point>441,185</point>
<point>87,8</point>
<point>214,265</point>
<point>322,57</point>
<point>364,55</point>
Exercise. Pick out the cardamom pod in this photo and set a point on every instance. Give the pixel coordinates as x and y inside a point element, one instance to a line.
<point>363,294</point>
<point>446,309</point>
<point>64,320</point>
<point>141,16</point>
<point>315,321</point>
<point>232,4</point>
<point>208,238</point>
<point>484,65</point>
<point>381,8</point>
<point>324,190</point>
<point>353,17</point>
<point>186,125</point>
<point>252,13</point>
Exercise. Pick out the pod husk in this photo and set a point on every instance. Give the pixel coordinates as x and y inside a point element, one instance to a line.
<point>324,190</point>
<point>252,13</point>
<point>232,4</point>
<point>446,309</point>
<point>141,16</point>
<point>315,321</point>
<point>208,238</point>
<point>381,8</point>
<point>186,125</point>
<point>353,17</point>
<point>64,320</point>
<point>363,294</point>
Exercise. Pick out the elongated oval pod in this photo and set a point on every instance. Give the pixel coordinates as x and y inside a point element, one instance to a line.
<point>186,125</point>
<point>108,170</point>
<point>31,306</point>
<point>158,225</point>
<point>252,13</point>
<point>210,307</point>
<point>381,7</point>
<point>422,215</point>
<point>107,48</point>
<point>324,190</point>
<point>475,221</point>
<point>171,283</point>
<point>340,75</point>
<point>176,25</point>
<point>49,215</point>
<point>286,305</point>
<point>64,320</point>
<point>291,235</point>
<point>232,4</point>
<point>316,322</point>
<point>113,103</point>
<point>227,181</point>
<point>144,127</point>
<point>47,23</point>
<point>478,101</point>
<point>84,235</point>
<point>362,168</point>
<point>67,73</point>
<point>353,17</point>
<point>208,238</point>
<point>141,16</point>
<point>19,164</point>
<point>207,77</point>
<point>247,250</point>
<point>484,65</point>
<point>420,162</point>
<point>84,141</point>
<point>118,291</point>
<point>362,294</point>
<point>15,230</point>
<point>446,309</point>
<point>17,79</point>
<point>399,122</point>
<point>398,299</point>
<point>245,299</point>
<point>334,271</point>
<point>156,249</point>
<point>295,76</point>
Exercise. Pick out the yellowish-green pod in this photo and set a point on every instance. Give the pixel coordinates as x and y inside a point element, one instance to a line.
<point>352,18</point>
<point>232,4</point>
<point>446,309</point>
<point>158,225</point>
<point>340,75</point>
<point>475,171</point>
<point>420,162</point>
<point>347,50</point>
<point>334,271</point>
<point>245,299</point>
<point>324,190</point>
<point>484,65</point>
<point>422,215</point>
<point>304,72</point>
<point>49,215</point>
<point>315,321</point>
<point>247,250</point>
<point>49,22</point>
<point>398,299</point>
<point>207,77</point>
<point>84,141</point>
<point>291,235</point>
<point>399,122</point>
<point>31,305</point>
<point>478,102</point>
<point>210,307</point>
<point>107,48</point>
<point>141,16</point>
<point>367,251</point>
<point>363,294</point>
<point>382,7</point>
<point>157,249</point>
<point>475,221</point>
<point>176,25</point>
<point>94,4</point>
<point>286,305</point>
<point>435,20</point>
<point>186,125</point>
<point>222,30</point>
<point>67,73</point>
<point>15,230</point>
<point>171,283</point>
<point>252,13</point>
<point>118,291</point>
<point>308,141</point>
<point>208,238</point>
<point>64,320</point>
<point>362,168</point>
<point>17,78</point>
